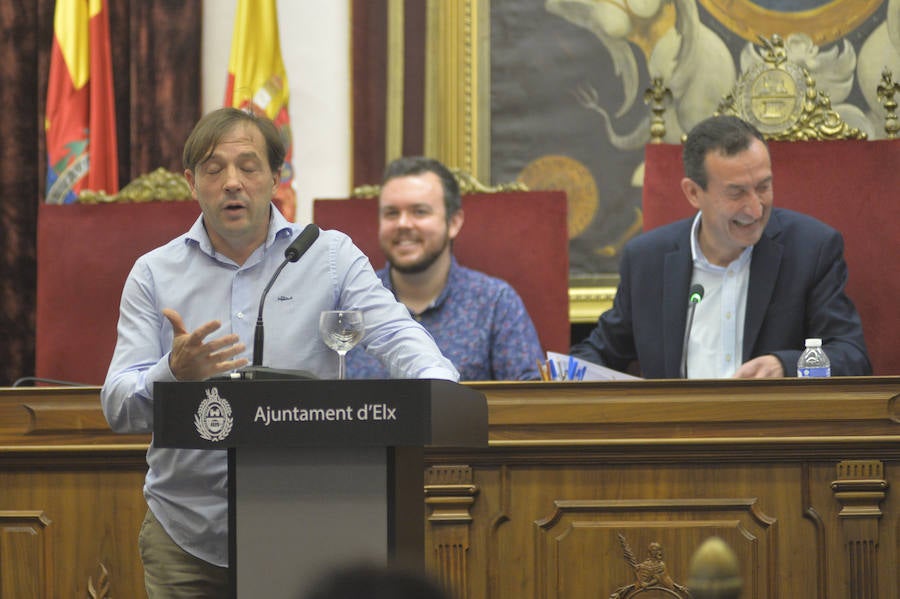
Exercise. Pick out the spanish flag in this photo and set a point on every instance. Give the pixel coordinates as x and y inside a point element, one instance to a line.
<point>257,81</point>
<point>80,122</point>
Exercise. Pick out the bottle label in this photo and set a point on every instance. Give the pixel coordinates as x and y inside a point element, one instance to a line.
<point>819,371</point>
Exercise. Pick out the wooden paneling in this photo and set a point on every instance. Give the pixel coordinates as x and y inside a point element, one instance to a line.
<point>23,554</point>
<point>799,477</point>
<point>92,509</point>
<point>70,498</point>
<point>794,476</point>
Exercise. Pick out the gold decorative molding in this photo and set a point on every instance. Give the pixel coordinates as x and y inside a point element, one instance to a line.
<point>779,97</point>
<point>586,304</point>
<point>467,184</point>
<point>887,89</point>
<point>457,84</point>
<point>657,96</point>
<point>457,104</point>
<point>159,185</point>
<point>396,74</point>
<point>366,191</point>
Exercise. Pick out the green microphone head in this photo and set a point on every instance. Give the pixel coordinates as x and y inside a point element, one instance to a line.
<point>696,294</point>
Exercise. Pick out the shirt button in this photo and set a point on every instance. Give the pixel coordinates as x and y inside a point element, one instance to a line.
<point>240,315</point>
<point>728,358</point>
<point>727,315</point>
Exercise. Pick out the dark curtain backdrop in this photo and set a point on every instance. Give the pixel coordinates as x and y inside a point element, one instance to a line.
<point>156,60</point>
<point>368,86</point>
<point>369,23</point>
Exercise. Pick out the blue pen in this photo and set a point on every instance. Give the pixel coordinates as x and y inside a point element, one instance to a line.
<point>553,376</point>
<point>581,372</point>
<point>572,369</point>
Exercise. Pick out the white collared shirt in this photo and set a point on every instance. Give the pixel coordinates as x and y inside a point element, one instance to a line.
<point>717,334</point>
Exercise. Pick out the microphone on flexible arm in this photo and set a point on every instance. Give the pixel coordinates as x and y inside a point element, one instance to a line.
<point>292,254</point>
<point>694,297</point>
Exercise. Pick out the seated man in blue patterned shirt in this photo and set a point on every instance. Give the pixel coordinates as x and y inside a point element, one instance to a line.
<point>479,322</point>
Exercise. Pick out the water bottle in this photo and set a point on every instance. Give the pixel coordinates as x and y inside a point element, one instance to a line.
<point>813,362</point>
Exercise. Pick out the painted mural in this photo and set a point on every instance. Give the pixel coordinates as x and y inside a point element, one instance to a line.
<point>568,79</point>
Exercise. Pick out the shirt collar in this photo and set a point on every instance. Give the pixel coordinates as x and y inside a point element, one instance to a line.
<point>279,227</point>
<point>445,292</point>
<point>697,254</point>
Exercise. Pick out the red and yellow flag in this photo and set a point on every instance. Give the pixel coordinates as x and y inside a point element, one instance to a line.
<point>257,81</point>
<point>80,123</point>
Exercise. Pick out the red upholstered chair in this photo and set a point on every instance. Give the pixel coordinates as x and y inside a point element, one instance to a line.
<point>853,186</point>
<point>84,254</point>
<point>520,237</point>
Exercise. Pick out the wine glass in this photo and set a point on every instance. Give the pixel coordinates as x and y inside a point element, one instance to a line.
<point>341,330</point>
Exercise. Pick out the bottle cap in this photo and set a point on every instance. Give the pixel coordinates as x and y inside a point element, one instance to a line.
<point>814,342</point>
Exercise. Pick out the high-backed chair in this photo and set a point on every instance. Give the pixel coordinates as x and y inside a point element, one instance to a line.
<point>850,184</point>
<point>520,237</point>
<point>84,254</point>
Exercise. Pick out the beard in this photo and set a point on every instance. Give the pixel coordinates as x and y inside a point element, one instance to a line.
<point>423,263</point>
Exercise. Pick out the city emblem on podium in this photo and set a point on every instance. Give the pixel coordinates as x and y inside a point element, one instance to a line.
<point>213,419</point>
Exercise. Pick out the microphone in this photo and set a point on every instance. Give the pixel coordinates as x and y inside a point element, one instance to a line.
<point>20,382</point>
<point>694,297</point>
<point>293,253</point>
<point>299,246</point>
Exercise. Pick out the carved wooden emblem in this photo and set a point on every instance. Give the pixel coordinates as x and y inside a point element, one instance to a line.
<point>650,574</point>
<point>780,99</point>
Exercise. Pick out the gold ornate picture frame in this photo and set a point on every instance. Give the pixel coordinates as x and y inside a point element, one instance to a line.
<point>458,112</point>
<point>459,81</point>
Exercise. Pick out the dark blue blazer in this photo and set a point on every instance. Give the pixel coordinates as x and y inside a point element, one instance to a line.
<point>796,290</point>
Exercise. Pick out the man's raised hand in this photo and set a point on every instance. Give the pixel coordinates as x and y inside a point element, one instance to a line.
<point>193,359</point>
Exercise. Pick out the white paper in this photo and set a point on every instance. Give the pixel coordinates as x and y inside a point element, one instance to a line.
<point>592,372</point>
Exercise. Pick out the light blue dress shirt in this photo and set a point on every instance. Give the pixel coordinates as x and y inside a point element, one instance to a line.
<point>187,489</point>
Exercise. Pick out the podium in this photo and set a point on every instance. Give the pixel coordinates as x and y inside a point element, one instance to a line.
<point>321,472</point>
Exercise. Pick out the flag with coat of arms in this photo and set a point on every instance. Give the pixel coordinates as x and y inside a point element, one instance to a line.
<point>80,120</point>
<point>257,81</point>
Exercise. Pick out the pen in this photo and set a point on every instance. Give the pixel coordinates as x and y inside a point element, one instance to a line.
<point>542,369</point>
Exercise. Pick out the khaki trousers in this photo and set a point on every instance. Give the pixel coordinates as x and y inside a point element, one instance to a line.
<point>170,572</point>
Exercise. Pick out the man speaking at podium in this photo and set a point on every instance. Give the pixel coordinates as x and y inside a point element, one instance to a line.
<point>187,314</point>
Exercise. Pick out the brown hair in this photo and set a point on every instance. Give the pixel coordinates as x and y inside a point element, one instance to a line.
<point>416,165</point>
<point>209,130</point>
